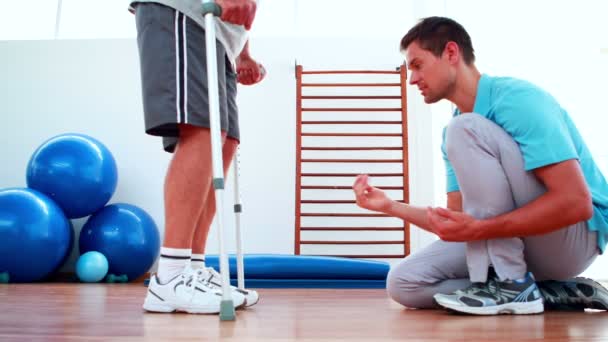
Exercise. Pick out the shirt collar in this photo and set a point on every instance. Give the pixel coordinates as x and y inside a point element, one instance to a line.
<point>482,98</point>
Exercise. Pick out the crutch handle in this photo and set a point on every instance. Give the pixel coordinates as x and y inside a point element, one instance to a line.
<point>212,7</point>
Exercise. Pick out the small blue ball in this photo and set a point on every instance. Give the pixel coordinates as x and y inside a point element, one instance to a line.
<point>91,267</point>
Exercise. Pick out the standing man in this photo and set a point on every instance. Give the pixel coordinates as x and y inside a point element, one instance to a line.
<point>172,51</point>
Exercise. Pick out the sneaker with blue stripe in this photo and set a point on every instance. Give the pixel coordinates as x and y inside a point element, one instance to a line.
<point>495,297</point>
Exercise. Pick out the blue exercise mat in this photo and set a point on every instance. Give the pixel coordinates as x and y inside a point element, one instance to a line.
<point>309,283</point>
<point>313,283</point>
<point>303,267</point>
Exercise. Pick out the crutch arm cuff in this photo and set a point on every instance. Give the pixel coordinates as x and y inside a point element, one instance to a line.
<point>212,7</point>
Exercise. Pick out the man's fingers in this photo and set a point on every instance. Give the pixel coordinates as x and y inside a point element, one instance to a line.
<point>251,8</point>
<point>255,74</point>
<point>262,72</point>
<point>360,185</point>
<point>447,214</point>
<point>242,14</point>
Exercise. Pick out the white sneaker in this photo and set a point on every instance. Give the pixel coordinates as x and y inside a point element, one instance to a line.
<point>214,279</point>
<point>186,294</point>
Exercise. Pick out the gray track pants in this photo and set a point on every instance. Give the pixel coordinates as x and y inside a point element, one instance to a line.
<point>490,172</point>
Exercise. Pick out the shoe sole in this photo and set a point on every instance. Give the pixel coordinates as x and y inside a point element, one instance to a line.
<point>242,306</point>
<point>164,308</point>
<point>528,308</point>
<point>252,304</point>
<point>170,309</point>
<point>246,304</point>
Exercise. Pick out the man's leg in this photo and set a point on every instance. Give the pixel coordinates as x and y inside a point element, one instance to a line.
<point>207,213</point>
<point>175,287</point>
<point>499,183</point>
<point>202,232</point>
<point>439,268</point>
<point>188,175</point>
<point>490,172</point>
<point>231,144</point>
<point>482,154</point>
<point>500,175</point>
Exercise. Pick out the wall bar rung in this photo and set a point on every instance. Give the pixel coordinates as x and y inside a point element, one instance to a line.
<point>344,72</point>
<point>342,215</point>
<point>351,122</point>
<point>345,187</point>
<point>352,228</point>
<point>365,256</point>
<point>350,97</point>
<point>354,148</point>
<point>352,160</point>
<point>332,201</point>
<point>395,242</point>
<point>351,174</point>
<point>317,109</point>
<point>351,84</point>
<point>351,134</point>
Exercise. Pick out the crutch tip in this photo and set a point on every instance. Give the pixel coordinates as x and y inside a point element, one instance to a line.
<point>227,312</point>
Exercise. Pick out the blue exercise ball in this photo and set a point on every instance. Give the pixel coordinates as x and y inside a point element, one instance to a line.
<point>76,171</point>
<point>34,235</point>
<point>126,235</point>
<point>91,267</point>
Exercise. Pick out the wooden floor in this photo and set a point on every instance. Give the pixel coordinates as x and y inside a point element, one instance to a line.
<point>113,312</point>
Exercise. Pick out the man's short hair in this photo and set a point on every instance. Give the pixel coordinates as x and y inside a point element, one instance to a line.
<point>433,33</point>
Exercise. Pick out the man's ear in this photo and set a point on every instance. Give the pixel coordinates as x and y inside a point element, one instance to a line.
<point>452,52</point>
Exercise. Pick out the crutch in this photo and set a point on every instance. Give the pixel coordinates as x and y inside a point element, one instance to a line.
<point>238,208</point>
<point>211,9</point>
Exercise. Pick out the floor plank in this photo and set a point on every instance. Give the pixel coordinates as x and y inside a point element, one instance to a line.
<point>55,311</point>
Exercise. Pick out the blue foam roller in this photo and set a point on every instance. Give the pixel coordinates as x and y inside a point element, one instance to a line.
<point>308,283</point>
<point>313,283</point>
<point>274,266</point>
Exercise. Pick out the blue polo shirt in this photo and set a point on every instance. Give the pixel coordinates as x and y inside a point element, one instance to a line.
<point>545,134</point>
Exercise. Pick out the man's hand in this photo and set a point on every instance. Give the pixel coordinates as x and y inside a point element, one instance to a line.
<point>238,12</point>
<point>452,225</point>
<point>249,71</point>
<point>369,197</point>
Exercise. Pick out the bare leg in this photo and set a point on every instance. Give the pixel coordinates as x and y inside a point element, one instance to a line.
<point>207,213</point>
<point>188,176</point>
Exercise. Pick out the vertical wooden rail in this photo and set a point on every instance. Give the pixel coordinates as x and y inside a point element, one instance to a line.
<point>298,202</point>
<point>406,170</point>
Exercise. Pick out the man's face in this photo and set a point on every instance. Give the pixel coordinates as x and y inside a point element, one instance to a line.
<point>432,75</point>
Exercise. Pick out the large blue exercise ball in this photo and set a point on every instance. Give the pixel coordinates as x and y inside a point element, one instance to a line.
<point>34,235</point>
<point>126,235</point>
<point>91,267</point>
<point>76,171</point>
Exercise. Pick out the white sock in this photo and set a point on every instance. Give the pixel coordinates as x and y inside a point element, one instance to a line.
<point>172,262</point>
<point>197,261</point>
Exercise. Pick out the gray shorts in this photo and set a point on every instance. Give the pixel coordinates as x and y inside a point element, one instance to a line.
<point>174,74</point>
